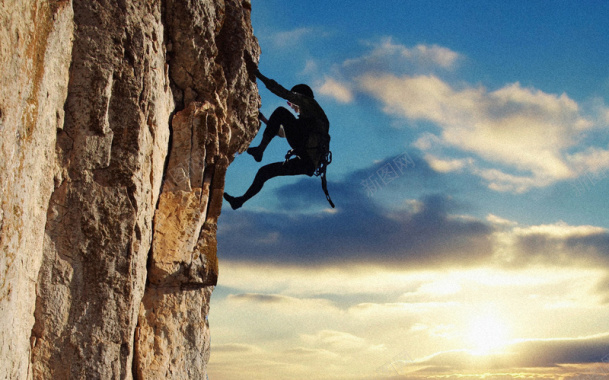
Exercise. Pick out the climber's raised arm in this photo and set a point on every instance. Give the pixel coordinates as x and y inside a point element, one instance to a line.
<point>279,90</point>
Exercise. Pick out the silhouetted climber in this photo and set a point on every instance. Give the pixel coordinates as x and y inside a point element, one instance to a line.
<point>307,135</point>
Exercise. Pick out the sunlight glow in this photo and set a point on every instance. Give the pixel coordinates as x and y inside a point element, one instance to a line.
<point>487,333</point>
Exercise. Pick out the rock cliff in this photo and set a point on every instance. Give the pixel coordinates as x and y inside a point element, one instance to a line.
<point>118,120</point>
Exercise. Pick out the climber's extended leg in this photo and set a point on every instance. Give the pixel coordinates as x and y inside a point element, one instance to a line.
<point>294,166</point>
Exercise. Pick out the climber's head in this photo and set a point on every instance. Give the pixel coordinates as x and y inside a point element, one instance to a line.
<point>303,89</point>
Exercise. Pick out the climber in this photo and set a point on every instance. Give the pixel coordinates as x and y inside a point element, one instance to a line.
<point>307,135</point>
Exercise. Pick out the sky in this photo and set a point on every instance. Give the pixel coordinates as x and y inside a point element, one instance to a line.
<point>470,169</point>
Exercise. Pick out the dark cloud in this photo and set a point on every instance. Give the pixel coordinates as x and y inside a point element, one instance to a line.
<point>527,354</point>
<point>602,288</point>
<point>596,244</point>
<point>549,353</point>
<point>585,248</point>
<point>358,230</point>
<point>259,298</point>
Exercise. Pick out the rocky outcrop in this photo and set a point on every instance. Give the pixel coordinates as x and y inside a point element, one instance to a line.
<point>118,120</point>
<point>35,41</point>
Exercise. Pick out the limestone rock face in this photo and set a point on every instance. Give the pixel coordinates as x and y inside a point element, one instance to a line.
<point>118,120</point>
<point>35,45</point>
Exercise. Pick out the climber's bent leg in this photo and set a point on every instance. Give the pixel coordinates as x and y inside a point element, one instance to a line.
<point>281,116</point>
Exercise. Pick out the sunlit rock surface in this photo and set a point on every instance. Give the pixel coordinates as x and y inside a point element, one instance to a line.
<point>118,120</point>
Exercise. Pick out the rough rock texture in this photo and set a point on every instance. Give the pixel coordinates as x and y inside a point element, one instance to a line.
<point>118,120</point>
<point>35,41</point>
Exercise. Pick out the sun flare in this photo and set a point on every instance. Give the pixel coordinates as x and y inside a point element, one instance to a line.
<point>487,333</point>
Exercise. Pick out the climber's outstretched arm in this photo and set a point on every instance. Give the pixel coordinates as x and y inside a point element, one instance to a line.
<point>279,90</point>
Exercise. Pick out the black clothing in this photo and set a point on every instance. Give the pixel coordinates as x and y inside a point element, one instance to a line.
<point>309,108</point>
<point>296,130</point>
<point>305,134</point>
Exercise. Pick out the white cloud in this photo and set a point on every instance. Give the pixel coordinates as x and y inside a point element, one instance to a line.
<point>290,38</point>
<point>504,182</point>
<point>537,282</point>
<point>338,341</point>
<point>560,230</point>
<point>337,90</point>
<point>309,353</point>
<point>525,130</point>
<point>237,348</point>
<point>387,55</point>
<point>302,282</point>
<point>425,315</point>
<point>499,221</point>
<point>435,54</point>
<point>593,160</point>
<point>516,137</point>
<point>447,165</point>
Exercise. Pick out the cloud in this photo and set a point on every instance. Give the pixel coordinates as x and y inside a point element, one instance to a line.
<point>338,341</point>
<point>447,165</point>
<point>429,231</point>
<point>358,231</point>
<point>433,54</point>
<point>501,181</point>
<point>559,244</point>
<point>602,288</point>
<point>428,317</point>
<point>497,220</point>
<point>552,352</point>
<point>301,281</point>
<point>309,353</point>
<point>593,160</point>
<point>389,56</point>
<point>291,38</point>
<point>261,298</point>
<point>235,348</point>
<point>533,353</point>
<point>339,91</point>
<point>522,129</point>
<point>515,138</point>
<point>285,303</point>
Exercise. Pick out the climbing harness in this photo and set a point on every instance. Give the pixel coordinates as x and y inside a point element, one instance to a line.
<point>320,170</point>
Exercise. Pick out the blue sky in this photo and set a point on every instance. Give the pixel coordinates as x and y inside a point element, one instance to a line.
<point>471,166</point>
